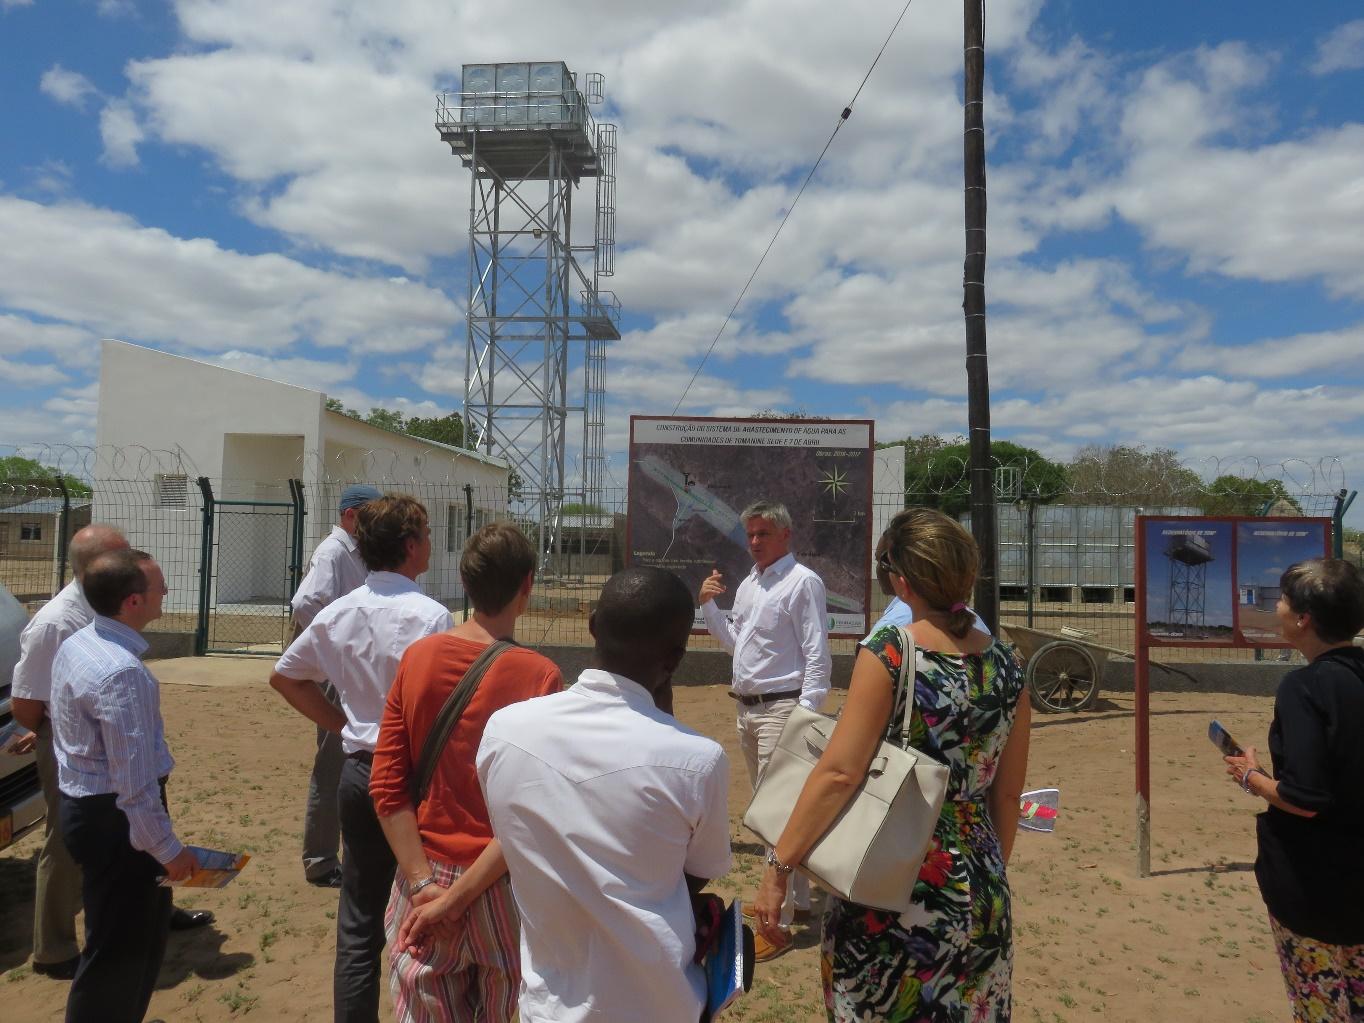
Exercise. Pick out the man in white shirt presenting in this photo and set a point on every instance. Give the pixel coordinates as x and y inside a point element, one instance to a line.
<point>356,643</point>
<point>610,814</point>
<point>778,632</point>
<point>336,568</point>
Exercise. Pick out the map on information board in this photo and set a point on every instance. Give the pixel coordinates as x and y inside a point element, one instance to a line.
<point>691,478</point>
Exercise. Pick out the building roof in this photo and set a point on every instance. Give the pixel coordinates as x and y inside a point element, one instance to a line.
<point>477,456</point>
<point>44,506</point>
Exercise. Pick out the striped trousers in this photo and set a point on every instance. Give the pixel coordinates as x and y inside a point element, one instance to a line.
<point>473,977</point>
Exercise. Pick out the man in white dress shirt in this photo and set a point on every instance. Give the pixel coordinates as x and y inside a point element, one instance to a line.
<point>356,643</point>
<point>57,890</point>
<point>112,765</point>
<point>778,632</point>
<point>610,814</point>
<point>336,568</point>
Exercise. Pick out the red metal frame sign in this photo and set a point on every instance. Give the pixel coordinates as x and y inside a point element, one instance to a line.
<point>1207,581</point>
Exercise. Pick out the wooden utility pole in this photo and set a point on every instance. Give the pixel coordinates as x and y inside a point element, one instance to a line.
<point>973,302</point>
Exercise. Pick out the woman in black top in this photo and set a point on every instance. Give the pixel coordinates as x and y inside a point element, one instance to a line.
<point>1311,837</point>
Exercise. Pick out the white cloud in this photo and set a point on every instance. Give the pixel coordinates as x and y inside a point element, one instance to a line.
<point>1328,352</point>
<point>12,4</point>
<point>1341,49</point>
<point>120,131</point>
<point>1268,212</point>
<point>68,87</point>
<point>312,373</point>
<point>27,374</point>
<point>105,272</point>
<point>19,335</point>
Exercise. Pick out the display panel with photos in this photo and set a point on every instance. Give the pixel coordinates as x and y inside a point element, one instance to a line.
<point>1215,581</point>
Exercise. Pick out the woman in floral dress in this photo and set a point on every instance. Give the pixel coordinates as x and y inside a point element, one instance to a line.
<point>949,958</point>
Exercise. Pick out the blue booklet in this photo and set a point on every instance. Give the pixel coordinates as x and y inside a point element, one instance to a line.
<point>729,965</point>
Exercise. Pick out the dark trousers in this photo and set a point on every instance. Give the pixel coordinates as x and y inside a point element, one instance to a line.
<point>367,869</point>
<point>127,916</point>
<point>321,831</point>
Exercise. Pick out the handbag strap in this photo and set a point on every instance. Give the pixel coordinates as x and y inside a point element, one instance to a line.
<point>909,656</point>
<point>450,713</point>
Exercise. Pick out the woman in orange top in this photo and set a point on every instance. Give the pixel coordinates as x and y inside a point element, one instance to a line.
<point>452,926</point>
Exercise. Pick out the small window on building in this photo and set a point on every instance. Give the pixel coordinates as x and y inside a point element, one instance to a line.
<point>171,490</point>
<point>31,531</point>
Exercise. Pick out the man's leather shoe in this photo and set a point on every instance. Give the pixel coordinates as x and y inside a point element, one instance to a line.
<point>64,970</point>
<point>188,919</point>
<point>331,879</point>
<point>764,951</point>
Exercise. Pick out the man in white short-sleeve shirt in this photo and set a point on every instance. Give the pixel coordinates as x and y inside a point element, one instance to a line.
<point>336,568</point>
<point>356,643</point>
<point>610,814</point>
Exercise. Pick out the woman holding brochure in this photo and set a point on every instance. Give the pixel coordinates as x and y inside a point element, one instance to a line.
<point>950,956</point>
<point>1309,837</point>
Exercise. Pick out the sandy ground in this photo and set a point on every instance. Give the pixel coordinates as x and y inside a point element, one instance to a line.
<point>1092,940</point>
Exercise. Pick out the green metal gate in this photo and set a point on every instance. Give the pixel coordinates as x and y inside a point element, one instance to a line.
<point>250,564</point>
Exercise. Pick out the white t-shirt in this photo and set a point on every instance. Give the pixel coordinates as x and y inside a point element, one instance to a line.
<point>356,642</point>
<point>62,616</point>
<point>336,568</point>
<point>602,802</point>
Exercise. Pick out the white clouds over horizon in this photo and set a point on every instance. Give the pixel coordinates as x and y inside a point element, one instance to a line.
<point>328,242</point>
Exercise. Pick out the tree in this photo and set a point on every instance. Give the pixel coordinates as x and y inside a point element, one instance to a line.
<point>936,472</point>
<point>1241,495</point>
<point>1122,474</point>
<point>15,469</point>
<point>443,430</point>
<point>578,508</point>
<point>447,429</point>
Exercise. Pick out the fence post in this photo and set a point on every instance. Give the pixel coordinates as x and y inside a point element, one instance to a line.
<point>1032,553</point>
<point>63,534</point>
<point>1343,501</point>
<point>468,532</point>
<point>296,539</point>
<point>205,568</point>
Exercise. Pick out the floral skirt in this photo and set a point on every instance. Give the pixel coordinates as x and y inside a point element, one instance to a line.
<point>1325,982</point>
<point>949,959</point>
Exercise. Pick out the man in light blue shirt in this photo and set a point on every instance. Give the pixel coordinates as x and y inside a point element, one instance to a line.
<point>112,764</point>
<point>897,612</point>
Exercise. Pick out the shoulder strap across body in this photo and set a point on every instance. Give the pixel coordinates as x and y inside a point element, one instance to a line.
<point>449,716</point>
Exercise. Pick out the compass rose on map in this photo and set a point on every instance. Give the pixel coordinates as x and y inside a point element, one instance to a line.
<point>834,482</point>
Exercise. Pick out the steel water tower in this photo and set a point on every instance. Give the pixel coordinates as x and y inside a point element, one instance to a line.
<point>537,316</point>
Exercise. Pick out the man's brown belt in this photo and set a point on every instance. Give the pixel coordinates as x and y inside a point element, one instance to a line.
<point>753,701</point>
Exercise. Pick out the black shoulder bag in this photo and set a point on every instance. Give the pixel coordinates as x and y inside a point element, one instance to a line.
<point>449,716</point>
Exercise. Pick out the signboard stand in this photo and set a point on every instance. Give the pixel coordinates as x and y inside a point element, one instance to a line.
<point>1215,583</point>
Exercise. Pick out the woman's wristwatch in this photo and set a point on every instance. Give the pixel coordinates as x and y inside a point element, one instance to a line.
<point>780,867</point>
<point>1245,779</point>
<point>425,882</point>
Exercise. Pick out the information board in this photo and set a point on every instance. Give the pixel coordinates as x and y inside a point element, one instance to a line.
<point>1215,581</point>
<point>690,479</point>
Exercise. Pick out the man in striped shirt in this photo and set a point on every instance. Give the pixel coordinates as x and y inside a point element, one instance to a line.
<point>112,764</point>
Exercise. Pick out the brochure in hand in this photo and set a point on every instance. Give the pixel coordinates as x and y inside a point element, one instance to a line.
<point>729,966</point>
<point>216,869</point>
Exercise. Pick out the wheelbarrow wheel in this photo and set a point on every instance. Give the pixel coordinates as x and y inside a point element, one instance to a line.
<point>1063,678</point>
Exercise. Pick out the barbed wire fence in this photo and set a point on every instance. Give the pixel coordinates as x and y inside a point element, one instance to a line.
<point>233,550</point>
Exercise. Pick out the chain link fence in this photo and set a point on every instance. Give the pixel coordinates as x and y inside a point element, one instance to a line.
<point>233,551</point>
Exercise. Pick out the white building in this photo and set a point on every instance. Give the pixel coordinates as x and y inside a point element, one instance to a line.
<point>247,437</point>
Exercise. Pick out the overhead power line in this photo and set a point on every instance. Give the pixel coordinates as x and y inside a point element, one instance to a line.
<point>842,117</point>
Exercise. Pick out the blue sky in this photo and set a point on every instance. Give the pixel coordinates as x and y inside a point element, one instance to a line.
<point>1176,201</point>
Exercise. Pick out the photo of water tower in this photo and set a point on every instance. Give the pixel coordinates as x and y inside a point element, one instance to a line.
<point>1189,596</point>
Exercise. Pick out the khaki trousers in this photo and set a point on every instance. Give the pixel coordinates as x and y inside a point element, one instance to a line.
<point>57,898</point>
<point>759,729</point>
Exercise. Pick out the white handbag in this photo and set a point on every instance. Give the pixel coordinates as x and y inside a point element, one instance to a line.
<point>872,852</point>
